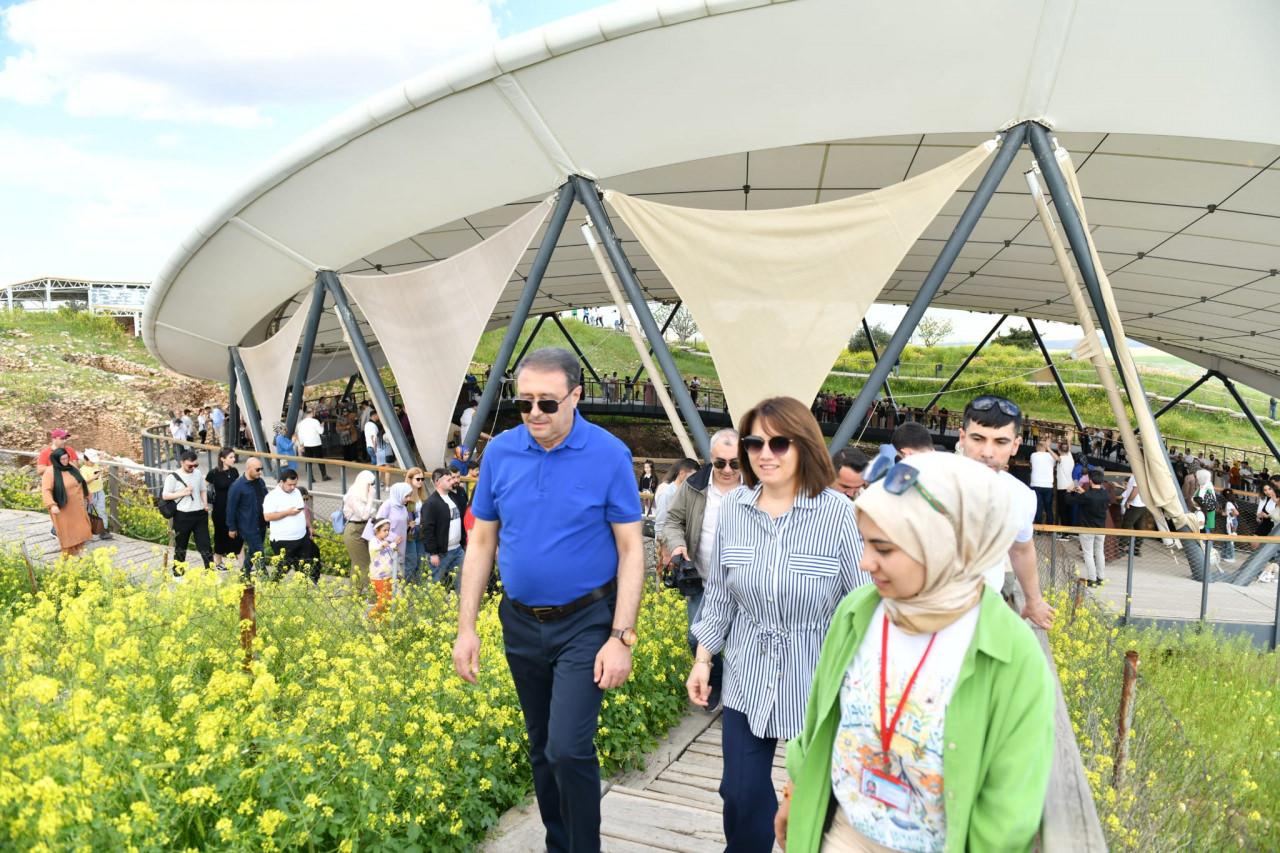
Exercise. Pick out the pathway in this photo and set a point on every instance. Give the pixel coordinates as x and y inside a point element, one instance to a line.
<point>30,532</point>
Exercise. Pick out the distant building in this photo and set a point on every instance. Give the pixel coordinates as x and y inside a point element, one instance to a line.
<point>121,299</point>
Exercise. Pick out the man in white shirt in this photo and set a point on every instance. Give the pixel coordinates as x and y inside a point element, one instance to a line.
<point>285,513</point>
<point>216,419</point>
<point>186,488</point>
<point>1065,482</point>
<point>464,421</point>
<point>1042,465</point>
<point>443,535</point>
<point>310,434</point>
<point>372,437</point>
<point>1135,512</point>
<point>690,526</point>
<point>991,433</point>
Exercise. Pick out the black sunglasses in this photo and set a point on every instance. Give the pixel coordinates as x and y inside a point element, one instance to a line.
<point>720,463</point>
<point>988,402</point>
<point>547,407</point>
<point>778,445</point>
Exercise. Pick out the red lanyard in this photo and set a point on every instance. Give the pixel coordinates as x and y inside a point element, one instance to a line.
<point>886,732</point>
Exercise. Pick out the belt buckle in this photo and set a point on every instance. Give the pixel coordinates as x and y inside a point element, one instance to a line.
<point>540,612</point>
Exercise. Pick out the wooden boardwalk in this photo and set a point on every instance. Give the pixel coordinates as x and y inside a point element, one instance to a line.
<point>29,531</point>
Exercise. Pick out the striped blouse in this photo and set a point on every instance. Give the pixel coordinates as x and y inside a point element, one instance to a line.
<point>770,594</point>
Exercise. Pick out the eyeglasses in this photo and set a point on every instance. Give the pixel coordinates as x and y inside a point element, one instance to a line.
<point>778,444</point>
<point>547,407</point>
<point>416,479</point>
<point>988,402</point>
<point>901,477</point>
<point>719,464</point>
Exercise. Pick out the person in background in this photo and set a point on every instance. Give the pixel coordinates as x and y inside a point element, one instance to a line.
<point>245,522</point>
<point>1134,513</point>
<point>218,484</point>
<point>218,419</point>
<point>444,537</point>
<point>186,488</point>
<point>786,552</point>
<point>662,497</point>
<point>465,419</point>
<point>1065,482</point>
<point>66,495</point>
<point>395,508</point>
<point>202,424</point>
<point>1042,465</point>
<point>1231,523</point>
<point>1093,501</point>
<point>382,555</point>
<point>284,445</point>
<point>188,424</point>
<point>310,434</point>
<point>348,435</point>
<point>850,464</point>
<point>373,443</point>
<point>95,475</point>
<point>1206,499</point>
<point>911,438</point>
<point>414,547</point>
<point>930,723</point>
<point>285,511</point>
<point>648,483</point>
<point>58,438</point>
<point>359,505</point>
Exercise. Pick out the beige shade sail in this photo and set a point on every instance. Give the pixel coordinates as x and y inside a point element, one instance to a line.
<point>269,364</point>
<point>777,293</point>
<point>429,321</point>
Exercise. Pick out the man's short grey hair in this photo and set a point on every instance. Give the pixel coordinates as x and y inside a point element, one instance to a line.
<point>550,359</point>
<point>724,436</point>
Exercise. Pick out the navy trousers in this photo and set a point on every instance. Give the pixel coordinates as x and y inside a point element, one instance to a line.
<point>553,666</point>
<point>746,786</point>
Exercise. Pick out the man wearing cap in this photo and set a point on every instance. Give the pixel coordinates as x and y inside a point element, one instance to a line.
<point>57,438</point>
<point>558,494</point>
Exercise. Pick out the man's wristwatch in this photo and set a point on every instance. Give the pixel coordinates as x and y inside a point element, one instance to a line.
<point>626,635</point>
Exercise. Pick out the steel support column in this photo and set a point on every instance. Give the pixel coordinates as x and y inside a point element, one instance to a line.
<point>875,359</point>
<point>368,368</point>
<point>665,325</point>
<point>590,199</point>
<point>968,358</point>
<point>932,283</point>
<point>304,355</point>
<point>351,386</point>
<point>1248,412</point>
<point>246,390</point>
<point>233,406</point>
<point>537,327</point>
<point>1184,394</point>
<point>555,318</point>
<point>1062,389</point>
<point>564,203</point>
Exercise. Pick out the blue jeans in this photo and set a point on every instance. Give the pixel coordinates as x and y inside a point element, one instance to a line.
<point>694,604</point>
<point>413,556</point>
<point>253,548</point>
<point>1228,550</point>
<point>1044,504</point>
<point>553,667</point>
<point>746,786</point>
<point>450,561</point>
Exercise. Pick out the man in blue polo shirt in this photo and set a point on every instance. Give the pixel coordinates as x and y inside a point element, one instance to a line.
<point>558,495</point>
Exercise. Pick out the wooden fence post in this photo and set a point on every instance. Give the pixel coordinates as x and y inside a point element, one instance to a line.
<point>113,500</point>
<point>1125,718</point>
<point>249,614</point>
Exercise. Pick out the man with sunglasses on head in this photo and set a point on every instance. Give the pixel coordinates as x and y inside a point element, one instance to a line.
<point>558,494</point>
<point>991,433</point>
<point>690,527</point>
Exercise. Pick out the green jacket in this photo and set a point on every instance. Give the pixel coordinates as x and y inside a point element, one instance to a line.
<point>998,732</point>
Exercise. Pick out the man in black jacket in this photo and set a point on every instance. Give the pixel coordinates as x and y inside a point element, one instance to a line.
<point>444,537</point>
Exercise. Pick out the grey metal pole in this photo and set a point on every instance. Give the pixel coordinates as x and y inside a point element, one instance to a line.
<point>404,451</point>
<point>246,391</point>
<point>1208,374</point>
<point>932,283</point>
<point>304,356</point>
<point>233,406</point>
<point>666,325</point>
<point>1053,369</point>
<point>587,195</point>
<point>968,358</point>
<point>537,327</point>
<point>564,203</point>
<point>555,318</point>
<point>1248,413</point>
<point>875,359</point>
<point>1275,628</point>
<point>1204,581</point>
<point>1128,585</point>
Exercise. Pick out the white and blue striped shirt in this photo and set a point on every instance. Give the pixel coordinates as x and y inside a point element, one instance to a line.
<point>769,598</point>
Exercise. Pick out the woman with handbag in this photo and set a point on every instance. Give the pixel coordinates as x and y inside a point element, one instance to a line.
<point>358,506</point>
<point>218,489</point>
<point>66,496</point>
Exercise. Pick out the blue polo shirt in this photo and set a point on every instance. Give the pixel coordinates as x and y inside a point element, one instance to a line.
<point>554,510</point>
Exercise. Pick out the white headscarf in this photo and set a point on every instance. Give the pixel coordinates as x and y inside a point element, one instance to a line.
<point>955,548</point>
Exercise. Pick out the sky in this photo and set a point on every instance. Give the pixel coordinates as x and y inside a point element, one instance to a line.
<point>124,123</point>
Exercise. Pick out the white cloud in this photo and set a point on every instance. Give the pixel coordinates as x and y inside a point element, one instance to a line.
<point>228,62</point>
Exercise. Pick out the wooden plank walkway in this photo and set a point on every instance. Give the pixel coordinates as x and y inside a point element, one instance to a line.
<point>30,532</point>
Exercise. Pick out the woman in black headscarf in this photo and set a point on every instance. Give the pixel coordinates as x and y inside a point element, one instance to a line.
<point>66,495</point>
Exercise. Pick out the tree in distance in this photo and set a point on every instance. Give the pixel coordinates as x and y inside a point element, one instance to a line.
<point>1020,338</point>
<point>933,330</point>
<point>879,334</point>
<point>683,326</point>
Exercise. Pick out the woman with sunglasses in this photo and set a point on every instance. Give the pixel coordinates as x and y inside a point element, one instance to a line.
<point>414,549</point>
<point>786,552</point>
<point>930,723</point>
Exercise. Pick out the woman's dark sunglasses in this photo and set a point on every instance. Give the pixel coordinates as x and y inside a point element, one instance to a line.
<point>547,407</point>
<point>778,445</point>
<point>720,463</point>
<point>987,403</point>
<point>900,477</point>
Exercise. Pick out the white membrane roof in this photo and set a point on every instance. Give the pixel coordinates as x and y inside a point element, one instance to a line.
<point>1170,108</point>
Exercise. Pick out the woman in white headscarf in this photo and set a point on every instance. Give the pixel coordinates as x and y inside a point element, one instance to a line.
<point>358,506</point>
<point>1206,499</point>
<point>930,722</point>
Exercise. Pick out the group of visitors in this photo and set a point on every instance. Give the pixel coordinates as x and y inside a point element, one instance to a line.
<point>918,705</point>
<point>73,490</point>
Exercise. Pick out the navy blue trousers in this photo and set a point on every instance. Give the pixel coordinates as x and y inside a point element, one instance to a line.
<point>553,666</point>
<point>746,786</point>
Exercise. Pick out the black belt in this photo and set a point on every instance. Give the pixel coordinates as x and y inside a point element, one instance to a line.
<point>551,614</point>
